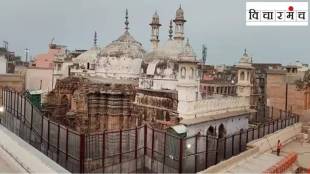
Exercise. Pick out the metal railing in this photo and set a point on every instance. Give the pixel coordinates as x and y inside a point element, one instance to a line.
<point>141,149</point>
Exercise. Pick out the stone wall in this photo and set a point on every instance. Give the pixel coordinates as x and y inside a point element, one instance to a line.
<point>88,106</point>
<point>14,81</point>
<point>158,107</point>
<point>276,95</point>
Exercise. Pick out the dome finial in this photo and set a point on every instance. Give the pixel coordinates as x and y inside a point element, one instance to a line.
<point>245,52</point>
<point>126,21</point>
<point>170,30</point>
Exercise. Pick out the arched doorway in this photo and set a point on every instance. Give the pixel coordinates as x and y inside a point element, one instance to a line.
<point>211,131</point>
<point>221,131</point>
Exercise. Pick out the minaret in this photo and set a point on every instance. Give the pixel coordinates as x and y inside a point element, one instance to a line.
<point>170,30</point>
<point>187,80</point>
<point>245,70</point>
<point>155,30</point>
<point>179,24</point>
<point>126,21</point>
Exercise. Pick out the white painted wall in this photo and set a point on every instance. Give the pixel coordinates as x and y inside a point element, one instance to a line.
<point>231,124</point>
<point>61,73</point>
<point>34,76</point>
<point>3,65</point>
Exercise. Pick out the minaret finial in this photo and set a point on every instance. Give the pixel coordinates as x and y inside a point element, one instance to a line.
<point>187,42</point>
<point>204,54</point>
<point>95,39</point>
<point>245,52</point>
<point>170,30</point>
<point>126,21</point>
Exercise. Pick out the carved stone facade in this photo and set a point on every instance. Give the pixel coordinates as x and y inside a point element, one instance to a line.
<point>89,105</point>
<point>158,108</point>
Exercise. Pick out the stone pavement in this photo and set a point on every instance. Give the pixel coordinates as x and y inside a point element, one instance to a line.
<point>302,150</point>
<point>257,164</point>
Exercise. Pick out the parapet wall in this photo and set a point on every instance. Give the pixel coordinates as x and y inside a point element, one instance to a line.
<point>269,142</point>
<point>13,81</point>
<point>259,146</point>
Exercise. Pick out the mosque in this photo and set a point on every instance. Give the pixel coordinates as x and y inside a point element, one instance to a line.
<point>124,85</point>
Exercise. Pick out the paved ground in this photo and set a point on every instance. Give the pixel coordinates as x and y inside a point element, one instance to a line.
<point>8,164</point>
<point>303,151</point>
<point>257,164</point>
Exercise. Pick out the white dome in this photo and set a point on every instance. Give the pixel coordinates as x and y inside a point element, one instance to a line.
<point>124,46</point>
<point>170,50</point>
<point>120,59</point>
<point>173,50</point>
<point>164,61</point>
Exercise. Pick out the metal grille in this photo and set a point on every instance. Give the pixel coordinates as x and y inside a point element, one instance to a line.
<point>141,149</point>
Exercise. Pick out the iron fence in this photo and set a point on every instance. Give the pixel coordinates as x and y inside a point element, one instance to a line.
<point>141,149</point>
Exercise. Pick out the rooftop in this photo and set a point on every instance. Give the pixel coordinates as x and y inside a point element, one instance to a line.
<point>260,155</point>
<point>17,156</point>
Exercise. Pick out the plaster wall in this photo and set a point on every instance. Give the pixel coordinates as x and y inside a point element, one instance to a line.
<point>231,125</point>
<point>213,106</point>
<point>38,78</point>
<point>3,65</point>
<point>119,68</point>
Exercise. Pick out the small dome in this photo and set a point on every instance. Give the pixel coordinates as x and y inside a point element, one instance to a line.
<point>179,13</point>
<point>124,46</point>
<point>155,19</point>
<point>155,15</point>
<point>188,53</point>
<point>245,61</point>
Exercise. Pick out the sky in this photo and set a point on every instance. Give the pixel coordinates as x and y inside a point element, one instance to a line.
<point>219,24</point>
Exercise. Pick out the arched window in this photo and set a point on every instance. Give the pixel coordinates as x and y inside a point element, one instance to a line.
<point>183,72</point>
<point>222,131</point>
<point>242,75</point>
<point>192,73</point>
<point>248,76</point>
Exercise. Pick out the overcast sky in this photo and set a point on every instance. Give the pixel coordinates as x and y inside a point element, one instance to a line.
<point>220,24</point>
